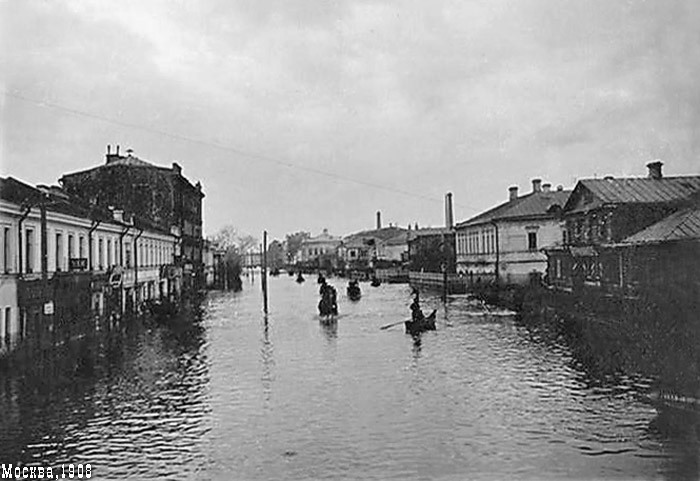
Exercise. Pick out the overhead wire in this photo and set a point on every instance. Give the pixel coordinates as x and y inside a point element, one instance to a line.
<point>244,154</point>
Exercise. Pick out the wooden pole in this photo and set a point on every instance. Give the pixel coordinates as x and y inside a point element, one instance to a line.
<point>264,271</point>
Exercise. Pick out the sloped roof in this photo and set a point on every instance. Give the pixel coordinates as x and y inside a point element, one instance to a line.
<point>643,189</point>
<point>681,225</point>
<point>56,200</point>
<point>53,198</point>
<point>427,231</point>
<point>130,160</point>
<point>397,240</point>
<point>534,204</point>
<point>384,234</point>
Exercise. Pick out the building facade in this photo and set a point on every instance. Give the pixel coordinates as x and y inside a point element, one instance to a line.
<point>65,260</point>
<point>601,219</point>
<point>160,196</point>
<point>504,245</point>
<point>322,246</point>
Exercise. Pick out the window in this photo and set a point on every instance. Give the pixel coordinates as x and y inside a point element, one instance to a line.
<point>6,250</point>
<point>100,253</point>
<point>81,247</point>
<point>71,246</point>
<point>532,241</point>
<point>8,321</point>
<point>127,254</point>
<point>109,253</point>
<point>29,250</point>
<point>59,251</point>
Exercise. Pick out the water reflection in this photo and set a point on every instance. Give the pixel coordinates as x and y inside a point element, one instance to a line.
<point>223,393</point>
<point>268,362</point>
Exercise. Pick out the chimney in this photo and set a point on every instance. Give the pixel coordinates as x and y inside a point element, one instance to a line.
<point>655,169</point>
<point>118,215</point>
<point>512,193</point>
<point>379,220</point>
<point>111,157</point>
<point>546,187</point>
<point>449,216</point>
<point>560,188</point>
<point>176,168</point>
<point>537,185</point>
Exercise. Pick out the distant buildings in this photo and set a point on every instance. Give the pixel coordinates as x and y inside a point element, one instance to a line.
<point>504,244</point>
<point>381,246</point>
<point>319,251</point>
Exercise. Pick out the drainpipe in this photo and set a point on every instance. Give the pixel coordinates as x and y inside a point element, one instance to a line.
<point>498,254</point>
<point>95,225</point>
<point>136,265</point>
<point>22,218</point>
<point>44,243</point>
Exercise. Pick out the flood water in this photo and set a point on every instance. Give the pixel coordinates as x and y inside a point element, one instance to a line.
<point>229,394</point>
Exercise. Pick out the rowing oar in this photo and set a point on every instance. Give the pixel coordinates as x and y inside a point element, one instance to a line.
<point>392,325</point>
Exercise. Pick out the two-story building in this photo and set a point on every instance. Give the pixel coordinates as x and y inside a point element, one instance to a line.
<point>604,217</point>
<point>503,245</point>
<point>320,249</point>
<point>383,245</point>
<point>65,259</point>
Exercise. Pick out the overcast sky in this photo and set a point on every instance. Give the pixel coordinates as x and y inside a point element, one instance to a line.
<point>300,115</point>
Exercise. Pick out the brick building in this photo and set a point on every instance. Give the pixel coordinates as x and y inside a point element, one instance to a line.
<point>159,195</point>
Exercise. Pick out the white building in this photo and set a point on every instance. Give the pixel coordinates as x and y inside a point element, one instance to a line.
<point>504,244</point>
<point>314,248</point>
<point>47,236</point>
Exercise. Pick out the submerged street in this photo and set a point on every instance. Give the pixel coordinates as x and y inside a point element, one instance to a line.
<point>225,394</point>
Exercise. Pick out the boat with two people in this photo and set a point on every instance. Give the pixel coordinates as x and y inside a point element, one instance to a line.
<point>353,290</point>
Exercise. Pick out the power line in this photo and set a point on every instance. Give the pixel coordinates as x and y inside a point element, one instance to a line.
<point>244,154</point>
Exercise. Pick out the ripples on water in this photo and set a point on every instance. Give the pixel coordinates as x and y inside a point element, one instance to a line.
<point>229,394</point>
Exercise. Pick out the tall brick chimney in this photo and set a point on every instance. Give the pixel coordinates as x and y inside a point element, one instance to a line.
<point>449,215</point>
<point>379,220</point>
<point>512,193</point>
<point>655,169</point>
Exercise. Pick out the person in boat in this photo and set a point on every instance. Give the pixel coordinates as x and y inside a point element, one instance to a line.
<point>329,299</point>
<point>416,312</point>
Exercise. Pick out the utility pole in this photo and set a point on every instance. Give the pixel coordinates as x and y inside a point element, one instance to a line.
<point>264,271</point>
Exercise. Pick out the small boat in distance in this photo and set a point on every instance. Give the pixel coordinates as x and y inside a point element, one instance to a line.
<point>420,325</point>
<point>376,282</point>
<point>300,278</point>
<point>353,290</point>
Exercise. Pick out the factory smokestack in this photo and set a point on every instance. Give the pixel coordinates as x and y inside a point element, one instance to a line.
<point>379,220</point>
<point>449,215</point>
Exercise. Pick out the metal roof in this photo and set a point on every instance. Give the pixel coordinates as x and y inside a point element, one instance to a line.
<point>642,189</point>
<point>534,204</point>
<point>681,225</point>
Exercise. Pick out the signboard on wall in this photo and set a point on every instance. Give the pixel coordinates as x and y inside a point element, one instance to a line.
<point>48,308</point>
<point>77,263</point>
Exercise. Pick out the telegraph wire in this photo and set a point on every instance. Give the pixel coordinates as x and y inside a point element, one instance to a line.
<point>244,154</point>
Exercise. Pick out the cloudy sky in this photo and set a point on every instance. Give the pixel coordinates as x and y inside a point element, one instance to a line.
<point>300,114</point>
